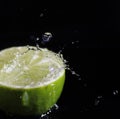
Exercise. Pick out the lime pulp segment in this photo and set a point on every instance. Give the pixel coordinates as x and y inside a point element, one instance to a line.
<point>20,67</point>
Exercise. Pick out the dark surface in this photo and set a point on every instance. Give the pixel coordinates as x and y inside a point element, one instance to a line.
<point>89,31</point>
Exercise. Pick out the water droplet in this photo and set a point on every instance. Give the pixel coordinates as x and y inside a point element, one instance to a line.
<point>46,37</point>
<point>77,47</point>
<point>51,69</point>
<point>21,9</point>
<point>79,78</point>
<point>47,114</point>
<point>98,100</point>
<point>43,116</point>
<point>62,48</point>
<point>29,48</point>
<point>73,42</point>
<point>77,41</point>
<point>37,39</point>
<point>74,73</point>
<point>115,92</point>
<point>41,14</point>
<point>100,97</point>
<point>85,84</point>
<point>56,107</point>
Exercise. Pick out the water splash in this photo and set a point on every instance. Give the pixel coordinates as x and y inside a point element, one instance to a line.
<point>37,44</point>
<point>47,115</point>
<point>41,41</point>
<point>73,72</point>
<point>46,37</point>
<point>67,64</point>
<point>62,49</point>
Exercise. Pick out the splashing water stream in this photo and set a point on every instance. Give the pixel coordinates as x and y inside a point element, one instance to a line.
<point>46,37</point>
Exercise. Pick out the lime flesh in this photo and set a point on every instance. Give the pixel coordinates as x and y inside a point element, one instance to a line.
<point>31,81</point>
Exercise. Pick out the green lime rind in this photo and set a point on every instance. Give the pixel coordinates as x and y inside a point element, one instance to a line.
<point>31,101</point>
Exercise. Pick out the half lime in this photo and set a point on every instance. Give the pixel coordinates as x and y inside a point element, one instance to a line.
<point>31,80</point>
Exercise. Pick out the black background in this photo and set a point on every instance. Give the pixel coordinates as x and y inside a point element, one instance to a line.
<point>89,31</point>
